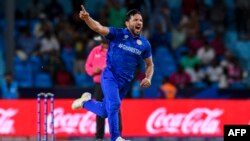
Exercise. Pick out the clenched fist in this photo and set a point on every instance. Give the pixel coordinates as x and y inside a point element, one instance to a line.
<point>145,82</point>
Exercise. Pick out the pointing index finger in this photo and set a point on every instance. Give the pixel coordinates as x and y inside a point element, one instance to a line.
<point>83,9</point>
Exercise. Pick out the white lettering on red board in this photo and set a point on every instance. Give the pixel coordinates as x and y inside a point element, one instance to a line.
<point>84,123</point>
<point>197,121</point>
<point>7,121</point>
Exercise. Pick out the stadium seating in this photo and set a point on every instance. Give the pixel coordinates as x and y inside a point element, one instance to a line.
<point>23,74</point>
<point>35,63</point>
<point>43,80</point>
<point>164,58</point>
<point>83,80</point>
<point>68,56</point>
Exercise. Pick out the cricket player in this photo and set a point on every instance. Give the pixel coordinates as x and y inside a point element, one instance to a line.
<point>126,48</point>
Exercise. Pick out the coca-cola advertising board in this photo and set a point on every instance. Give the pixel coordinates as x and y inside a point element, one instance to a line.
<point>204,118</point>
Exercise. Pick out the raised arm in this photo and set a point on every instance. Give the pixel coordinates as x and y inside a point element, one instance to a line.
<point>146,82</point>
<point>93,24</point>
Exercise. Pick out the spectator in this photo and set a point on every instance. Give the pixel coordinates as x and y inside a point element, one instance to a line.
<point>48,42</point>
<point>214,72</point>
<point>223,80</point>
<point>26,42</point>
<point>189,60</point>
<point>218,45</point>
<point>228,56</point>
<point>80,56</point>
<point>65,34</point>
<point>206,54</point>
<point>9,87</point>
<point>63,77</point>
<point>42,24</point>
<point>178,37</point>
<point>53,62</point>
<point>197,74</point>
<point>167,89</point>
<point>194,40</point>
<point>180,78</point>
<point>117,14</point>
<point>235,72</point>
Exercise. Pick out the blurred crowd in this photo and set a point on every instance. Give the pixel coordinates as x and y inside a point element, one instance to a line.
<point>190,42</point>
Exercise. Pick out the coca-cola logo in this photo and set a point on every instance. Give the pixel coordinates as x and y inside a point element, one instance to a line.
<point>84,123</point>
<point>7,121</point>
<point>197,121</point>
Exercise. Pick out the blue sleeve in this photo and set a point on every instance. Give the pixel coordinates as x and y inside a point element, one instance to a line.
<point>112,33</point>
<point>147,52</point>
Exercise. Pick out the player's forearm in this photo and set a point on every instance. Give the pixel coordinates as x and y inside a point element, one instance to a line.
<point>149,68</point>
<point>95,26</point>
<point>149,71</point>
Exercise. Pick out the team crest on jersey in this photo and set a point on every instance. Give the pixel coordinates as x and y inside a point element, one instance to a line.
<point>125,37</point>
<point>139,42</point>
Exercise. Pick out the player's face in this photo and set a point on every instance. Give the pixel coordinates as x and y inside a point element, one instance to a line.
<point>135,24</point>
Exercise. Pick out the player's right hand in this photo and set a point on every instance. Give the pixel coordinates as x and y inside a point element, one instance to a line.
<point>83,13</point>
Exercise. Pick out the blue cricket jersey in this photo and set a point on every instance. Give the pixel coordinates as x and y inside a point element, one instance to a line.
<point>125,53</point>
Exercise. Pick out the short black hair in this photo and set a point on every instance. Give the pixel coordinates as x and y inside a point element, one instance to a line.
<point>132,12</point>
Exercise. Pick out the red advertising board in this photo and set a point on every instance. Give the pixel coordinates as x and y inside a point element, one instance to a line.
<point>176,118</point>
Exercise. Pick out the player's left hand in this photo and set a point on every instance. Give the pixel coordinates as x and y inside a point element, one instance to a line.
<point>145,82</point>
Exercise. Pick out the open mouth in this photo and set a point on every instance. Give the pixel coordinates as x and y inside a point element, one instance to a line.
<point>138,27</point>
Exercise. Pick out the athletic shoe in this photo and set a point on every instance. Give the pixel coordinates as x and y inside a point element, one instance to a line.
<point>77,104</point>
<point>121,139</point>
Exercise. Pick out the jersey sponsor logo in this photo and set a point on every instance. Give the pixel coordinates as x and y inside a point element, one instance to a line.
<point>130,49</point>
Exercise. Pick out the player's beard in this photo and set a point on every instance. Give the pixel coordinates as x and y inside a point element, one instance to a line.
<point>135,31</point>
